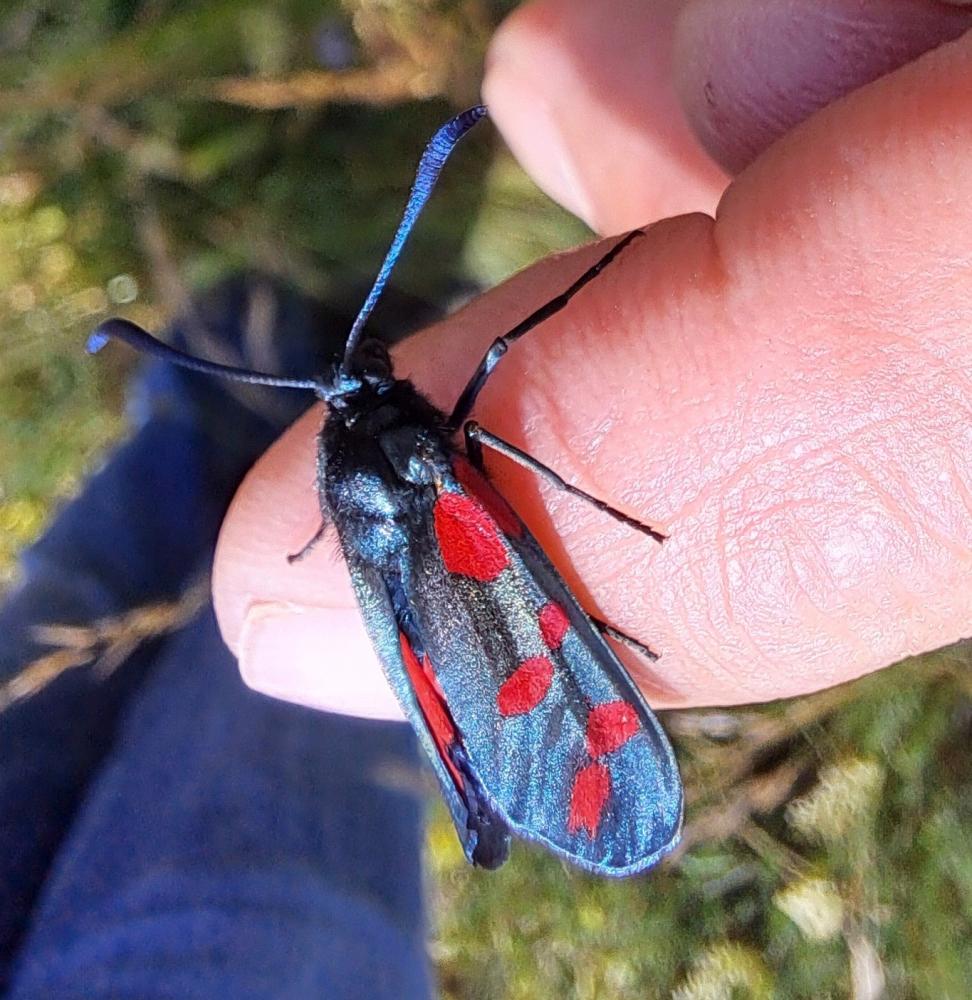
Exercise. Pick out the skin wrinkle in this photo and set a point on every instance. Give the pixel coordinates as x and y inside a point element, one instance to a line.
<point>957,481</point>
<point>745,658</point>
<point>742,467</point>
<point>935,527</point>
<point>911,416</point>
<point>895,510</point>
<point>901,516</point>
<point>825,622</point>
<point>733,552</point>
<point>801,609</point>
<point>832,458</point>
<point>695,607</point>
<point>815,543</point>
<point>943,363</point>
<point>830,451</point>
<point>722,543</point>
<point>723,490</point>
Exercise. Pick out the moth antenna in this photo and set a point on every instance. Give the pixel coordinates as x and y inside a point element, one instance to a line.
<point>430,166</point>
<point>135,336</point>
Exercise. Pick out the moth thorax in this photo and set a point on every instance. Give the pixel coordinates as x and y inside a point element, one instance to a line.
<point>411,451</point>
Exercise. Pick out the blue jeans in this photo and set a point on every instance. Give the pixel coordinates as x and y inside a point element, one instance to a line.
<point>165,832</point>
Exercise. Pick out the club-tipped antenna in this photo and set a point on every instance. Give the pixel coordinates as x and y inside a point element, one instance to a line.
<point>430,166</point>
<point>141,340</point>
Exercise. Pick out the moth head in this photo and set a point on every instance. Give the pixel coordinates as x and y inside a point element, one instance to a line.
<point>351,387</point>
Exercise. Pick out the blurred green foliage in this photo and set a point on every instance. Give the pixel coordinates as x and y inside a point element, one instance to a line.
<point>151,148</point>
<point>148,147</point>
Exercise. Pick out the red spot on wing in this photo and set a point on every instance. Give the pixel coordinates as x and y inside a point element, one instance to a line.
<point>610,726</point>
<point>553,625</point>
<point>468,539</point>
<point>476,484</point>
<point>432,703</point>
<point>526,687</point>
<point>588,797</point>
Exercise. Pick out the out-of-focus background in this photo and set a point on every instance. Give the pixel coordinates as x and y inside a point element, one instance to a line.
<point>149,148</point>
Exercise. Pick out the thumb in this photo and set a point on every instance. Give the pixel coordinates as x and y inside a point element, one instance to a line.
<point>784,391</point>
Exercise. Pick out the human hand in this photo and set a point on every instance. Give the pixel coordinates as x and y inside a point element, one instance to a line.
<point>784,391</point>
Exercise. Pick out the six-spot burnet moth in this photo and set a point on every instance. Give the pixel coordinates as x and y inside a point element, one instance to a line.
<point>529,720</point>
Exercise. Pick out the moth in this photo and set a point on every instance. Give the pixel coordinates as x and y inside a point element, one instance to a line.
<point>530,722</point>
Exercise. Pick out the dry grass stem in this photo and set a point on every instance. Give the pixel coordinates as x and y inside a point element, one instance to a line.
<point>105,644</point>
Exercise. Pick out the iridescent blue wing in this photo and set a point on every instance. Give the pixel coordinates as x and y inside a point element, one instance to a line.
<point>390,624</point>
<point>555,736</point>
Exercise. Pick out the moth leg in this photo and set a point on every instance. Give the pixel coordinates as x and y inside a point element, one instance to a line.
<point>623,637</point>
<point>472,435</point>
<point>477,436</point>
<point>499,347</point>
<point>310,546</point>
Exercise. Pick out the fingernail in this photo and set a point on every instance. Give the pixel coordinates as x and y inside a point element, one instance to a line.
<point>531,129</point>
<point>319,657</point>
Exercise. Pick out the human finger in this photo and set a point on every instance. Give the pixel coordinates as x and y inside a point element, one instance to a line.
<point>783,390</point>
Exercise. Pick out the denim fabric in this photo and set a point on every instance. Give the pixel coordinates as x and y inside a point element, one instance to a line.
<point>164,832</point>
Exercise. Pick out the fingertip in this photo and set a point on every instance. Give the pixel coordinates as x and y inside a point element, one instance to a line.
<point>274,513</point>
<point>583,95</point>
<point>318,657</point>
<point>532,131</point>
<point>626,112</point>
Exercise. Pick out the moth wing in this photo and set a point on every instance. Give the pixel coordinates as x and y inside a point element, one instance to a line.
<point>560,739</point>
<point>484,837</point>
